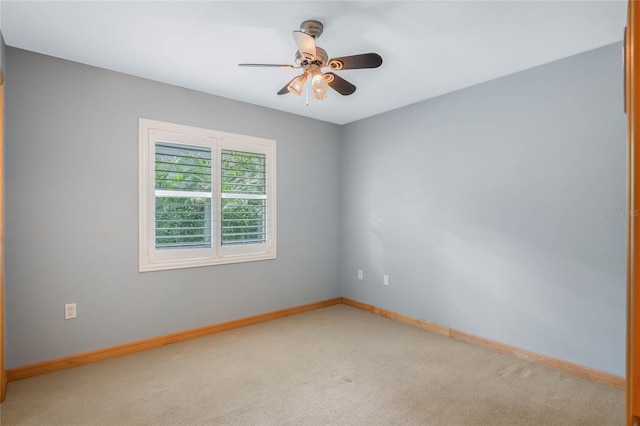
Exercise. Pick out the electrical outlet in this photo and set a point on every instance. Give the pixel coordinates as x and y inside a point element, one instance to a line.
<point>360,274</point>
<point>385,280</point>
<point>69,311</point>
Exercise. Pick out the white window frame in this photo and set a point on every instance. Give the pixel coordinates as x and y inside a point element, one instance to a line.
<point>151,259</point>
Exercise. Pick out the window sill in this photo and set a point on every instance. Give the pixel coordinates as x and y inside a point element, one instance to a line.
<point>163,266</point>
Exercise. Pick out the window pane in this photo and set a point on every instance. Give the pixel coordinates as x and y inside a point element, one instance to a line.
<point>243,172</point>
<point>244,198</point>
<point>183,219</point>
<point>183,223</point>
<point>183,168</point>
<point>243,221</point>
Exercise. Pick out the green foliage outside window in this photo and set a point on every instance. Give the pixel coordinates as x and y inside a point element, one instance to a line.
<point>244,198</point>
<point>184,220</point>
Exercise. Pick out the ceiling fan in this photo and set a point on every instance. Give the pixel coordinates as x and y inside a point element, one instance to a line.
<point>311,59</point>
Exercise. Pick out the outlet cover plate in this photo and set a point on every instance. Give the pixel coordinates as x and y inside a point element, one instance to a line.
<point>69,311</point>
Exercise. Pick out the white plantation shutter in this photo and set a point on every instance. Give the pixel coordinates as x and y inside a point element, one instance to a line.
<point>182,196</point>
<point>244,198</point>
<point>206,197</point>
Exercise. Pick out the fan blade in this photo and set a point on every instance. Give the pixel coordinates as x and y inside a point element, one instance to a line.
<point>306,44</point>
<point>285,89</point>
<point>267,65</point>
<point>340,85</point>
<point>366,60</point>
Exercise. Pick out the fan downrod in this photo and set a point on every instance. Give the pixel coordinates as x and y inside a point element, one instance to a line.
<point>311,27</point>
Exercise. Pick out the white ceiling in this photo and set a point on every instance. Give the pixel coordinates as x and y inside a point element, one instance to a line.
<point>429,47</point>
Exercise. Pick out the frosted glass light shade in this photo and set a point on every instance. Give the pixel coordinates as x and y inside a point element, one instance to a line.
<point>297,84</point>
<point>318,96</point>
<point>319,84</point>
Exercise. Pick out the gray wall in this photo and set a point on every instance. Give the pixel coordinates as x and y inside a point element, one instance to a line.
<point>488,209</point>
<point>72,217</point>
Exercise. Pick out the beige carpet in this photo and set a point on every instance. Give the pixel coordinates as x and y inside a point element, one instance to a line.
<point>332,366</point>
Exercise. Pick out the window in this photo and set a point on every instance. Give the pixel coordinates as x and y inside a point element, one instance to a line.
<point>206,197</point>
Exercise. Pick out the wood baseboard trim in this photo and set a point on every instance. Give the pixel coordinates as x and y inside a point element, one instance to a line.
<point>436,328</point>
<point>536,358</point>
<point>50,366</point>
<point>594,375</point>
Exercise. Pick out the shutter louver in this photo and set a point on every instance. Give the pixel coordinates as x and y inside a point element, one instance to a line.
<point>182,196</point>
<point>244,198</point>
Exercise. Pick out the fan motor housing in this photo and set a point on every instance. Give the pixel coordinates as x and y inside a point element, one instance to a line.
<point>321,57</point>
<point>312,27</point>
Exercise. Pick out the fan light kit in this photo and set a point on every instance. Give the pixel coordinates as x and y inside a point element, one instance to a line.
<point>311,59</point>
